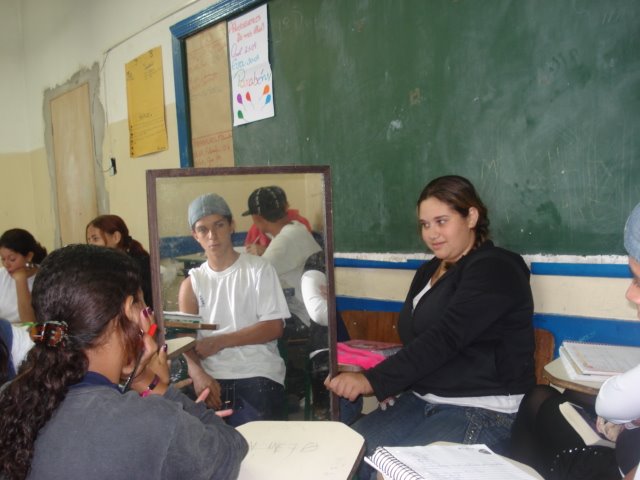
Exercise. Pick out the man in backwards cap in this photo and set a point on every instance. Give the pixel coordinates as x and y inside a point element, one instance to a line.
<point>241,294</point>
<point>290,247</point>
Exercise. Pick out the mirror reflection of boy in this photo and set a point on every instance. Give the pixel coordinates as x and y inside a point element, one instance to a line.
<point>241,294</point>
<point>256,242</point>
<point>290,247</point>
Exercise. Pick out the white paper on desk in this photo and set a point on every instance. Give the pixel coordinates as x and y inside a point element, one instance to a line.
<point>457,462</point>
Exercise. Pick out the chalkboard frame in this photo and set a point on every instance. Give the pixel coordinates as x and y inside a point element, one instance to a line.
<point>179,33</point>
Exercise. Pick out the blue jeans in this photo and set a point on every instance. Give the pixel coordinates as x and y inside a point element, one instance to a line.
<point>412,421</point>
<point>256,398</point>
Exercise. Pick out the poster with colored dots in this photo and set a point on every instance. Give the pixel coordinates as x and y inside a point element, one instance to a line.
<point>251,78</point>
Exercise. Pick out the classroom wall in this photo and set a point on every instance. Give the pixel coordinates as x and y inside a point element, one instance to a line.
<point>47,42</point>
<point>591,297</point>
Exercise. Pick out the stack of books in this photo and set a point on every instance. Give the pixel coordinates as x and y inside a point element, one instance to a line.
<point>596,362</point>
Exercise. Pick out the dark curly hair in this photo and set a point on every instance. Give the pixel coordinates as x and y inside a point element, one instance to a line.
<point>460,194</point>
<point>21,241</point>
<point>85,286</point>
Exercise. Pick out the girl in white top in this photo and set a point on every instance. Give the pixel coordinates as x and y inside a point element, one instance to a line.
<point>20,254</point>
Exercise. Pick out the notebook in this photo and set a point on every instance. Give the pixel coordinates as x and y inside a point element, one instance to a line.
<point>450,462</point>
<point>601,359</point>
<point>573,372</point>
<point>584,423</point>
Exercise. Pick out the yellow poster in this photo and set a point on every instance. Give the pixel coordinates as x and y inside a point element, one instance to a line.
<point>145,102</point>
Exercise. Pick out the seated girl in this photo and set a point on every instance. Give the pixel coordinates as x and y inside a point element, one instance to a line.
<point>467,334</point>
<point>20,254</point>
<point>542,437</point>
<point>65,416</point>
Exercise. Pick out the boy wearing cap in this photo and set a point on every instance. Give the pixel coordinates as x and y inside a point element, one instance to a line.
<point>241,294</point>
<point>290,247</point>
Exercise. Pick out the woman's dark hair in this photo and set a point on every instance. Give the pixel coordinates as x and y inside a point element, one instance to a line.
<point>85,286</point>
<point>23,242</point>
<point>460,194</point>
<point>112,224</point>
<point>5,358</point>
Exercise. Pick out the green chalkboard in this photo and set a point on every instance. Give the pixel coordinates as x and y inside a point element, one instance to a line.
<point>536,101</point>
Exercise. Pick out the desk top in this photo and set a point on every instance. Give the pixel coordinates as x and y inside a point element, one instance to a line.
<point>290,450</point>
<point>557,375</point>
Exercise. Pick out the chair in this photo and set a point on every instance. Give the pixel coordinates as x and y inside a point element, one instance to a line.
<point>543,353</point>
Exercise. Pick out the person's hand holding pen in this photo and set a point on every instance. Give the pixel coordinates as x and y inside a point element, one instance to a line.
<point>149,373</point>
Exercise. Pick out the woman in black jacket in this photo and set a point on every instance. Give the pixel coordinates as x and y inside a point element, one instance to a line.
<point>467,333</point>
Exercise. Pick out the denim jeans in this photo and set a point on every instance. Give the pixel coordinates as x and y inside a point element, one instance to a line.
<point>256,398</point>
<point>412,421</point>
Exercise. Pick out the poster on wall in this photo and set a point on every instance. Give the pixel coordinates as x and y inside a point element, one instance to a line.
<point>145,104</point>
<point>251,79</point>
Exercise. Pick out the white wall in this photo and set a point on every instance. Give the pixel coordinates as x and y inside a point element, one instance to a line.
<point>13,91</point>
<point>62,37</point>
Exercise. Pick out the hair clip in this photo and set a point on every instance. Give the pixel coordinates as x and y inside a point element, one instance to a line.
<point>50,333</point>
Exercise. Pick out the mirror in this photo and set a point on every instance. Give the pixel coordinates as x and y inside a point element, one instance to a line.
<point>174,251</point>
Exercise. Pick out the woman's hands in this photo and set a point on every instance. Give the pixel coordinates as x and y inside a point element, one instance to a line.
<point>349,385</point>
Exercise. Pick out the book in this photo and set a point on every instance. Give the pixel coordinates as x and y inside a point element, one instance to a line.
<point>181,317</point>
<point>385,349</point>
<point>451,462</point>
<point>584,423</point>
<point>175,319</point>
<point>601,359</point>
<point>572,369</point>
<point>177,346</point>
<point>356,355</point>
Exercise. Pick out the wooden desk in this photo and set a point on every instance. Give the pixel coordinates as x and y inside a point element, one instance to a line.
<point>557,375</point>
<point>291,450</point>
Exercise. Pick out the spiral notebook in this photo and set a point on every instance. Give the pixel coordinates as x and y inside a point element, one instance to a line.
<point>450,462</point>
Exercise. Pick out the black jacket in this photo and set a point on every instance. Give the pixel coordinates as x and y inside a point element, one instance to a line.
<point>471,334</point>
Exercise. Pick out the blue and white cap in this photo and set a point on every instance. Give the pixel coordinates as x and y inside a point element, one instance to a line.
<point>208,204</point>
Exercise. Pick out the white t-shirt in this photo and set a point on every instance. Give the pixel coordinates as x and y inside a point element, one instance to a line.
<point>8,296</point>
<point>245,293</point>
<point>312,283</point>
<point>288,252</point>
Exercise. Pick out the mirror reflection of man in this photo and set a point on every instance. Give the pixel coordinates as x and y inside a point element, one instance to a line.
<point>256,242</point>
<point>290,247</point>
<point>239,361</point>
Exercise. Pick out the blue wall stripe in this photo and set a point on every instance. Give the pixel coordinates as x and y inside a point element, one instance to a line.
<point>355,263</point>
<point>607,270</point>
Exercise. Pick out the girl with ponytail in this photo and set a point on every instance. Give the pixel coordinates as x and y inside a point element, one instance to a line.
<point>65,414</point>
<point>111,231</point>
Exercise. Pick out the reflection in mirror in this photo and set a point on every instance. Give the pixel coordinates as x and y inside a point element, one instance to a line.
<point>308,346</point>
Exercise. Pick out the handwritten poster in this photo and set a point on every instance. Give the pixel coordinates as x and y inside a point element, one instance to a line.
<point>145,103</point>
<point>251,79</point>
<point>209,90</point>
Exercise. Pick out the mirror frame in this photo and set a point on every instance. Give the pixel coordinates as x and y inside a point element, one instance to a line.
<point>154,239</point>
